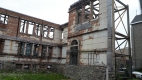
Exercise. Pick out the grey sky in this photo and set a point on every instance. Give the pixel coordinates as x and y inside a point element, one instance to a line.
<point>53,10</point>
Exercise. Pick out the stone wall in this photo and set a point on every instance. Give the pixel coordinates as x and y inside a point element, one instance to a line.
<point>5,66</point>
<point>137,45</point>
<point>83,72</point>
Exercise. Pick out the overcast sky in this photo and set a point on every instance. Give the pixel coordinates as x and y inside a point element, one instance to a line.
<point>53,10</point>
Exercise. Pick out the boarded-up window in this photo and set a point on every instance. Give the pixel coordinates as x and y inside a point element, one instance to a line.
<point>36,50</point>
<point>51,33</point>
<point>44,51</point>
<point>23,26</point>
<point>1,46</point>
<point>45,31</point>
<point>28,49</point>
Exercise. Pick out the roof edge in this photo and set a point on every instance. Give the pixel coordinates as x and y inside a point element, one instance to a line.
<point>136,22</point>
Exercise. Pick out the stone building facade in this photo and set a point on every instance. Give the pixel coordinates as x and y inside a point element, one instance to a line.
<point>29,42</point>
<point>85,40</point>
<point>136,41</point>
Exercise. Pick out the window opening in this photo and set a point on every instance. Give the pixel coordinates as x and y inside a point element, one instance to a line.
<point>35,66</point>
<point>28,49</point>
<point>49,66</point>
<point>74,52</point>
<point>1,46</point>
<point>44,51</point>
<point>21,48</point>
<point>31,26</point>
<point>23,26</point>
<point>51,33</point>
<point>79,16</point>
<point>18,66</point>
<point>4,19</point>
<point>62,35</point>
<point>87,12</point>
<point>37,31</point>
<point>96,9</point>
<point>50,51</point>
<point>45,31</point>
<point>27,66</point>
<point>36,49</point>
<point>74,42</point>
<point>42,66</point>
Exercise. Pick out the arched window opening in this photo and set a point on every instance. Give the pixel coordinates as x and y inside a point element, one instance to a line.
<point>74,52</point>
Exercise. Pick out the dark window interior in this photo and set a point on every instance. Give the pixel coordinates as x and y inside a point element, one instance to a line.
<point>50,51</point>
<point>28,49</point>
<point>1,45</point>
<point>44,51</point>
<point>36,50</point>
<point>74,53</point>
<point>18,66</point>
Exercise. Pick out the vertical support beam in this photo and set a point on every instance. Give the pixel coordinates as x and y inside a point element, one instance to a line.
<point>31,66</point>
<point>18,27</point>
<point>49,31</point>
<point>47,53</point>
<point>32,51</point>
<point>133,47</point>
<point>27,27</point>
<point>83,13</point>
<point>25,49</point>
<point>60,52</point>
<point>91,10</point>
<point>41,32</point>
<point>23,65</point>
<point>40,50</point>
<point>88,59</point>
<point>111,36</point>
<point>111,33</point>
<point>34,28</point>
<point>93,58</point>
<point>77,17</point>
<point>129,43</point>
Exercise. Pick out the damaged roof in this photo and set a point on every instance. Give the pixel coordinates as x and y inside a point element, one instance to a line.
<point>79,3</point>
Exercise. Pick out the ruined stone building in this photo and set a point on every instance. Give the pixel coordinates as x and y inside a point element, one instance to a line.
<point>29,42</point>
<point>88,38</point>
<point>26,40</point>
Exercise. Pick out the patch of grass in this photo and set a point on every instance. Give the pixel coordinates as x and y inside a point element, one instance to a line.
<point>31,76</point>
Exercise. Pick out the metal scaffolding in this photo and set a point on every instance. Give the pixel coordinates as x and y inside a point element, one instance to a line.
<point>119,46</point>
<point>123,58</point>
